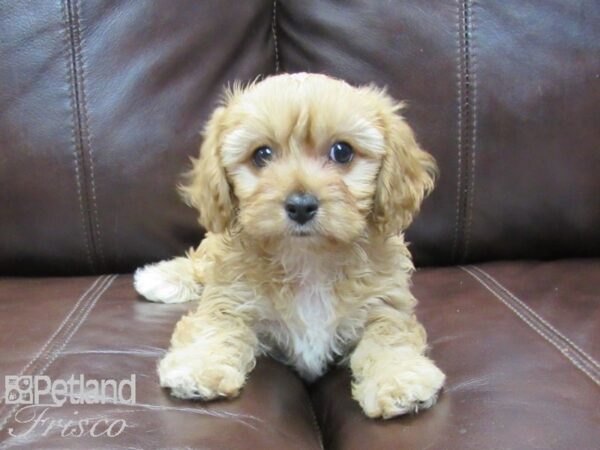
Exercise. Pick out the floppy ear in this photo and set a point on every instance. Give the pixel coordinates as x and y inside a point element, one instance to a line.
<point>407,175</point>
<point>207,188</point>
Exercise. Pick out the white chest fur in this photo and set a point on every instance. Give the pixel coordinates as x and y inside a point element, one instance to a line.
<point>312,328</point>
<point>306,331</point>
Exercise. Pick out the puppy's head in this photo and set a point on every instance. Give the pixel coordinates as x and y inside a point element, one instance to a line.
<point>308,156</point>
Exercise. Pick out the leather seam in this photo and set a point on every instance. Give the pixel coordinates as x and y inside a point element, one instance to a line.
<point>551,328</point>
<point>77,324</point>
<point>80,130</point>
<point>473,131</point>
<point>85,129</point>
<point>75,142</point>
<point>60,326</point>
<point>466,124</point>
<point>58,340</point>
<point>538,327</point>
<point>315,423</point>
<point>274,34</point>
<point>461,100</point>
<point>459,121</point>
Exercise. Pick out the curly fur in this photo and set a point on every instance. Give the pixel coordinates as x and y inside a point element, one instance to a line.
<point>336,293</point>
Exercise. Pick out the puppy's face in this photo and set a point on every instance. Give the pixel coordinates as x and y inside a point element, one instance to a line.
<point>307,156</point>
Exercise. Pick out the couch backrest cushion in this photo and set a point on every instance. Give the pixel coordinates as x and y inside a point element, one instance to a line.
<point>505,94</point>
<point>101,104</point>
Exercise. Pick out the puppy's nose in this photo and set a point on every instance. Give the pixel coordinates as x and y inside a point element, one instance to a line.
<point>301,207</point>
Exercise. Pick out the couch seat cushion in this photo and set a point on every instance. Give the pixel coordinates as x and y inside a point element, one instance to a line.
<point>518,341</point>
<point>100,328</point>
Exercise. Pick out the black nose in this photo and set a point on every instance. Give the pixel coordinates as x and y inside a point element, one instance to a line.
<point>301,207</point>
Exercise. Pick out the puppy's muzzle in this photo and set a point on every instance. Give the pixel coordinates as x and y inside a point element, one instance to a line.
<point>301,207</point>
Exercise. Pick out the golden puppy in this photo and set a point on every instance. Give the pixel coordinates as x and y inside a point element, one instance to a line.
<point>305,185</point>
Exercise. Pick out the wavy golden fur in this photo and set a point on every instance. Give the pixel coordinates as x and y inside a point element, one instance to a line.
<point>332,290</point>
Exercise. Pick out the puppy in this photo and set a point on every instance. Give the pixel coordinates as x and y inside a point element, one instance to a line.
<point>305,185</point>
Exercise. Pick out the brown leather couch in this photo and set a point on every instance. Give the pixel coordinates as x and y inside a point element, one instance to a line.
<point>101,104</point>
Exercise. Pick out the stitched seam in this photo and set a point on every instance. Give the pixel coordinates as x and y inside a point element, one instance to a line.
<point>74,325</point>
<point>60,327</point>
<point>473,134</point>
<point>274,33</point>
<point>528,321</point>
<point>558,334</point>
<point>85,127</point>
<point>78,323</point>
<point>315,423</point>
<point>58,336</point>
<point>564,351</point>
<point>458,125</point>
<point>75,142</point>
<point>463,124</point>
<point>466,135</point>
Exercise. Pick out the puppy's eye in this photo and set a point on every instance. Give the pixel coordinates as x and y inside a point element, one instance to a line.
<point>262,155</point>
<point>341,152</point>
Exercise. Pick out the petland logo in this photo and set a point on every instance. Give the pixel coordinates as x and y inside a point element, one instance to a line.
<point>33,390</point>
<point>34,396</point>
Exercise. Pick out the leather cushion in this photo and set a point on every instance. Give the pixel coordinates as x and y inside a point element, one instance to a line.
<point>102,103</point>
<point>99,328</point>
<point>504,95</point>
<point>522,373</point>
<point>519,374</point>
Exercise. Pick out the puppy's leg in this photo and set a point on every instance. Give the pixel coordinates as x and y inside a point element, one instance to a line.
<point>391,374</point>
<point>171,281</point>
<point>212,350</point>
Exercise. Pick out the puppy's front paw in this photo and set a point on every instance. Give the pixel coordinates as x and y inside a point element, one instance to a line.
<point>399,389</point>
<point>168,281</point>
<point>195,376</point>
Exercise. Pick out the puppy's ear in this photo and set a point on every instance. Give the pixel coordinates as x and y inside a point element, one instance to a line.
<point>407,175</point>
<point>207,188</point>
